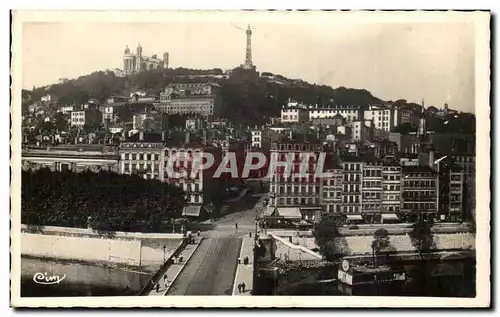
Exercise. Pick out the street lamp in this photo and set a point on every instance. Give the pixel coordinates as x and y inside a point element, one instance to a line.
<point>164,253</point>
<point>436,162</point>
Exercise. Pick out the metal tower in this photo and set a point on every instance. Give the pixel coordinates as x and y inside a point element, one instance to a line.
<point>248,58</point>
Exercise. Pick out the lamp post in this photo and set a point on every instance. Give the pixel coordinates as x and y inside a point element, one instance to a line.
<point>164,253</point>
<point>436,162</point>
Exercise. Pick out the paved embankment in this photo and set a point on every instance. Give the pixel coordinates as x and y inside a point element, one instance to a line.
<point>174,269</point>
<point>244,272</point>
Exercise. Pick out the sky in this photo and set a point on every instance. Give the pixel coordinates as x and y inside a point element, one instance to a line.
<point>413,61</point>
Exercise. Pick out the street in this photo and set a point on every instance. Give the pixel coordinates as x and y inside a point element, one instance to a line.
<point>212,268</point>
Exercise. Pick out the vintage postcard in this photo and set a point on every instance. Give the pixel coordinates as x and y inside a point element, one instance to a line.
<point>250,159</point>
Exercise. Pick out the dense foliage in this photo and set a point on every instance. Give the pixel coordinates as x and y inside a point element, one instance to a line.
<point>421,237</point>
<point>325,234</point>
<point>103,201</point>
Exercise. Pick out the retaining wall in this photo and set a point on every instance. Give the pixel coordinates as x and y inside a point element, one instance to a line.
<point>134,249</point>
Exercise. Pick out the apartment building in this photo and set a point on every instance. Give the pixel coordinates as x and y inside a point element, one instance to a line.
<point>352,186</point>
<point>332,191</point>
<point>204,185</point>
<point>142,154</point>
<point>372,191</point>
<point>391,192</point>
<point>451,191</point>
<point>85,117</point>
<point>292,195</point>
<point>382,117</point>
<point>419,193</point>
<point>294,114</point>
<point>468,165</point>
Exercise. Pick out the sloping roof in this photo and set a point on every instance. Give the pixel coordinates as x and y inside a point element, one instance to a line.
<point>290,212</point>
<point>268,211</point>
<point>191,210</point>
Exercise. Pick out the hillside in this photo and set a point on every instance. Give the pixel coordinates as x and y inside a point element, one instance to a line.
<point>246,96</point>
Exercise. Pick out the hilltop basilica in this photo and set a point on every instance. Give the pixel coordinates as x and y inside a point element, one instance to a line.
<point>135,63</point>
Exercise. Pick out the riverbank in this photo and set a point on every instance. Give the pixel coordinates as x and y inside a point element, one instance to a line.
<point>143,252</point>
<point>79,279</point>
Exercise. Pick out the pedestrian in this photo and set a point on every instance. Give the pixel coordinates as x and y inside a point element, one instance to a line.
<point>243,286</point>
<point>165,277</point>
<point>240,287</point>
<point>165,284</point>
<point>157,287</point>
<point>198,233</point>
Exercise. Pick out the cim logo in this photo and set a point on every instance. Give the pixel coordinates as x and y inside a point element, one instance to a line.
<point>45,279</point>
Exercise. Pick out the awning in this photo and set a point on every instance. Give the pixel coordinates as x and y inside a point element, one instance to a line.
<point>311,208</point>
<point>302,223</point>
<point>290,213</point>
<point>267,212</point>
<point>390,216</point>
<point>354,217</point>
<point>193,211</point>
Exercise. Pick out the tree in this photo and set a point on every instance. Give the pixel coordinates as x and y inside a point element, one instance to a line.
<point>103,201</point>
<point>405,128</point>
<point>380,242</point>
<point>325,233</point>
<point>422,239</point>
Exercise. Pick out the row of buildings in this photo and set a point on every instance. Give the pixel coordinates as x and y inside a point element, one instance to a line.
<point>381,117</point>
<point>366,189</point>
<point>363,188</point>
<point>200,99</point>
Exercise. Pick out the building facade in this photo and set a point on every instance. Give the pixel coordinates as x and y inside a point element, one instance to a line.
<point>332,191</point>
<point>352,188</point>
<point>86,117</point>
<point>382,116</point>
<point>419,193</point>
<point>372,191</point>
<point>292,114</point>
<point>71,158</point>
<point>141,154</point>
<point>303,194</point>
<point>349,112</point>
<point>391,192</point>
<point>191,98</point>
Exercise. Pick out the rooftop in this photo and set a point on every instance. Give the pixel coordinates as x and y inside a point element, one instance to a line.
<point>418,169</point>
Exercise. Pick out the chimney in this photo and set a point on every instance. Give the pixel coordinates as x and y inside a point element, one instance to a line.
<point>141,136</point>
<point>188,139</point>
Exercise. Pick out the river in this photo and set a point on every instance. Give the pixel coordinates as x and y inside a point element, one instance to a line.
<point>452,279</point>
<point>78,280</point>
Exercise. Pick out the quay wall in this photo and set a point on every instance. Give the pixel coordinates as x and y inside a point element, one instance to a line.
<point>137,250</point>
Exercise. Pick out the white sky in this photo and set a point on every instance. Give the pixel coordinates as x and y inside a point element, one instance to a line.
<point>434,61</point>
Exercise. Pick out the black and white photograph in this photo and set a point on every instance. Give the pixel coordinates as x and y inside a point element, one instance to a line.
<point>250,159</point>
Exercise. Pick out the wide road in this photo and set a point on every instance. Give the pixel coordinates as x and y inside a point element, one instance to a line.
<point>211,270</point>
